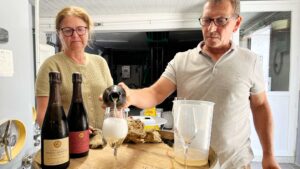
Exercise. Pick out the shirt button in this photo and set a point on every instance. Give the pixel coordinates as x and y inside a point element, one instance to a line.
<point>215,70</point>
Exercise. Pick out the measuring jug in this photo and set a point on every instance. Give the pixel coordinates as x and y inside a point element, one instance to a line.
<point>194,120</point>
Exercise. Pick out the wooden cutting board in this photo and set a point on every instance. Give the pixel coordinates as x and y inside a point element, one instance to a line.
<point>132,156</point>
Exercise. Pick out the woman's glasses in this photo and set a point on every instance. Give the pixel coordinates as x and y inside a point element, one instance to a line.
<point>68,31</point>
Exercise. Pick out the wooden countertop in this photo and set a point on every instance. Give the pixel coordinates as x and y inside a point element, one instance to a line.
<point>132,156</point>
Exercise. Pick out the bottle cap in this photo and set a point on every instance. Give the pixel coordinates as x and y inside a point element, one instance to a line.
<point>54,77</point>
<point>76,77</point>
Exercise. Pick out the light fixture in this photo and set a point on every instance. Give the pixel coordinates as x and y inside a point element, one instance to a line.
<point>280,24</point>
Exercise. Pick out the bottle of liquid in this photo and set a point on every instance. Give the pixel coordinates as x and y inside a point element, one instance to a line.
<point>78,121</point>
<point>55,131</point>
<point>114,96</point>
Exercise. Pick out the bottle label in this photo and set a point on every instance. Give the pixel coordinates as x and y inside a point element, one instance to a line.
<point>56,151</point>
<point>79,141</point>
<point>150,112</point>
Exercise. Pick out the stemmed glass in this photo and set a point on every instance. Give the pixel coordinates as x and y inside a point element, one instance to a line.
<point>185,125</point>
<point>115,129</point>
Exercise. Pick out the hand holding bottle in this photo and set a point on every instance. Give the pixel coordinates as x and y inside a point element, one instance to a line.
<point>114,96</point>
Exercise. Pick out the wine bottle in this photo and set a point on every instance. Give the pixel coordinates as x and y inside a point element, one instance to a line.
<point>55,132</point>
<point>114,96</point>
<point>78,122</point>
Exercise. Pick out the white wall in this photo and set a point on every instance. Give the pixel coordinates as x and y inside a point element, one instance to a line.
<point>260,44</point>
<point>297,159</point>
<point>17,92</point>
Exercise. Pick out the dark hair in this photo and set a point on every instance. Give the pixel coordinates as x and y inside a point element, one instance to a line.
<point>234,3</point>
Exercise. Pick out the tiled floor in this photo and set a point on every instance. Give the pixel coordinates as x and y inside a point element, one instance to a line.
<point>257,165</point>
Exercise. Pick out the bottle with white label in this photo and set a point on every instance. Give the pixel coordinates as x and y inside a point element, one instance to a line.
<point>55,132</point>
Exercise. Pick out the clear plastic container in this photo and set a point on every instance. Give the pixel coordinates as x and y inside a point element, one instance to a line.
<point>192,121</point>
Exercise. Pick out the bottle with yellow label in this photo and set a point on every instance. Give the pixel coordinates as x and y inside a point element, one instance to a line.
<point>150,112</point>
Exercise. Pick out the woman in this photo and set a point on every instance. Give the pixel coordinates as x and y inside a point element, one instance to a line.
<point>73,26</point>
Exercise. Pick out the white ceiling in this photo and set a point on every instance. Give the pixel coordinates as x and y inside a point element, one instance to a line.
<point>183,13</point>
<point>49,8</point>
<point>118,10</point>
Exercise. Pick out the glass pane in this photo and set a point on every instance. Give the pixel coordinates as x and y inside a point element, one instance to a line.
<point>268,35</point>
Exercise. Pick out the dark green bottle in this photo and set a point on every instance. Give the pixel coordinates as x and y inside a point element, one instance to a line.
<point>55,131</point>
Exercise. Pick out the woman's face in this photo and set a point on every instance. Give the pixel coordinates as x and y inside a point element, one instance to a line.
<point>73,33</point>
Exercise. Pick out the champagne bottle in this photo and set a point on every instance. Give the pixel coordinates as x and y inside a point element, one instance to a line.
<point>77,120</point>
<point>55,132</point>
<point>114,96</point>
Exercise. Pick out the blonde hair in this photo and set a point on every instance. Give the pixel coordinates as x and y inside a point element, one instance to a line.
<point>73,11</point>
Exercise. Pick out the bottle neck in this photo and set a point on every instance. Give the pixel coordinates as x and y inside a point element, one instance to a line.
<point>114,96</point>
<point>77,95</point>
<point>55,97</point>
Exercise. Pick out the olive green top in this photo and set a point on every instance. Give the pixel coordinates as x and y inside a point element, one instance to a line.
<point>96,78</point>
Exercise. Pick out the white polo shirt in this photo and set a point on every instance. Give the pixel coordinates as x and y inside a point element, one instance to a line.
<point>228,83</point>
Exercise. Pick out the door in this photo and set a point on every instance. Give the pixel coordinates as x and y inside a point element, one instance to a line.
<point>271,33</point>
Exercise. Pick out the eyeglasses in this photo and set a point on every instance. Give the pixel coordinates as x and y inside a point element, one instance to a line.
<point>80,30</point>
<point>220,21</point>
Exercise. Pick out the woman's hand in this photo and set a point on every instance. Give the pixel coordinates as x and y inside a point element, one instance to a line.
<point>103,105</point>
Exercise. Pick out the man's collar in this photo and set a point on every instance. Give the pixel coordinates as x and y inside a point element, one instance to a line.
<point>201,44</point>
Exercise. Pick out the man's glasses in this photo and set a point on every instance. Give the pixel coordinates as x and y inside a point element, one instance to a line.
<point>220,21</point>
<point>80,30</point>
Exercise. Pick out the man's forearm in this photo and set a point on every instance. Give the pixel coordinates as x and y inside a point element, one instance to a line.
<point>263,122</point>
<point>150,96</point>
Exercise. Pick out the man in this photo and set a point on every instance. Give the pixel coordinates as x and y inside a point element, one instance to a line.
<point>219,71</point>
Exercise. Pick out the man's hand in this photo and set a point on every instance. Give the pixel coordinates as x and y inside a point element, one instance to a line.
<point>269,162</point>
<point>127,91</point>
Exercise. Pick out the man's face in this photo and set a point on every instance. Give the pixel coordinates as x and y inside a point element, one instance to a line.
<point>218,36</point>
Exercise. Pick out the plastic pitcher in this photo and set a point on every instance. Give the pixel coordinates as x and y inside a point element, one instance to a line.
<point>186,112</point>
